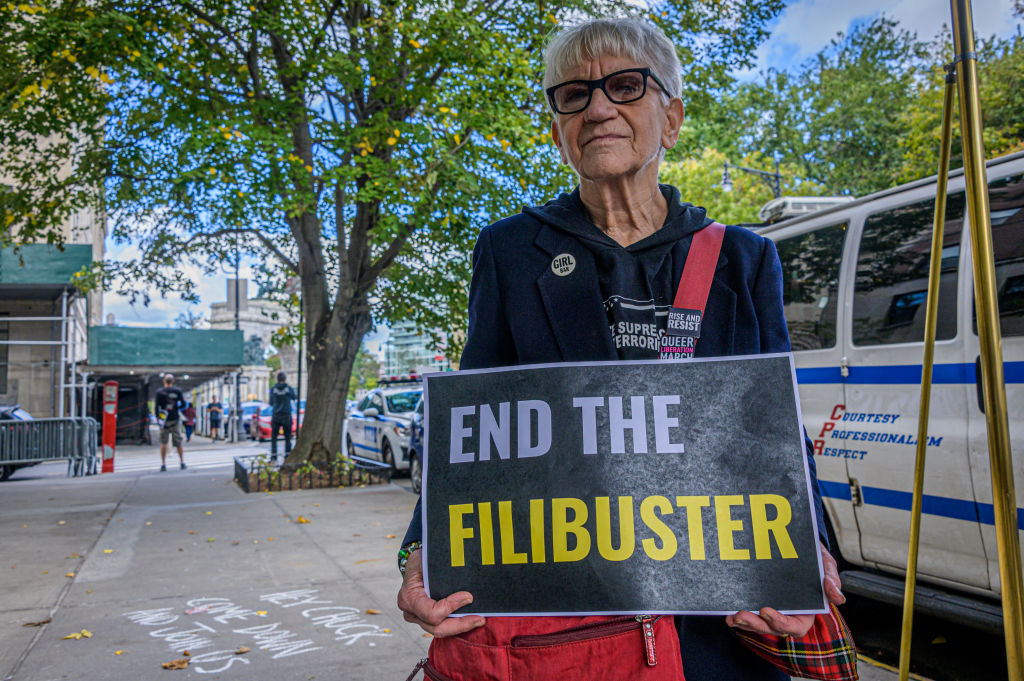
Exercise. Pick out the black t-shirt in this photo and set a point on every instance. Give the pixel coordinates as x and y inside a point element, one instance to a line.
<point>281,397</point>
<point>215,412</point>
<point>636,281</point>
<point>170,400</point>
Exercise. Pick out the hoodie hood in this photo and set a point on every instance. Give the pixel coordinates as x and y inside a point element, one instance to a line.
<point>567,213</point>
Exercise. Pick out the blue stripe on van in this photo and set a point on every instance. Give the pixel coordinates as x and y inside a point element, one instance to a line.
<point>836,490</point>
<point>900,374</point>
<point>945,507</point>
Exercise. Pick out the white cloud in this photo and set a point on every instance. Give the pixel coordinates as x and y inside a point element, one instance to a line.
<point>806,26</point>
<point>161,310</point>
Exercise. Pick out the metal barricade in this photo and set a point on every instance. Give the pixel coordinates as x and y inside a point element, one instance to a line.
<point>60,439</point>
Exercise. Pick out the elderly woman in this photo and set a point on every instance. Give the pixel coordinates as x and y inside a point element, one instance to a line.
<point>591,276</point>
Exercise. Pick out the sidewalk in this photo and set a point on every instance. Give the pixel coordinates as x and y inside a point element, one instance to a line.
<point>153,564</point>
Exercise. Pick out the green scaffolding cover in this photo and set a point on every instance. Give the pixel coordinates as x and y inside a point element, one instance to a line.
<point>131,346</point>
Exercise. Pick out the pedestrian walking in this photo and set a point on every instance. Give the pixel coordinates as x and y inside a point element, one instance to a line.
<point>189,414</point>
<point>215,411</point>
<point>169,403</point>
<point>281,397</point>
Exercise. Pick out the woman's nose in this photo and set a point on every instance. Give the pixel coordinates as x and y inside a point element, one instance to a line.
<point>601,107</point>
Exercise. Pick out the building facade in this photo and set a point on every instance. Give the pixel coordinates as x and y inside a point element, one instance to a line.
<point>407,351</point>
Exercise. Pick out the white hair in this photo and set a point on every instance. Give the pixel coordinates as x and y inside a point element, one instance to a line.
<point>618,37</point>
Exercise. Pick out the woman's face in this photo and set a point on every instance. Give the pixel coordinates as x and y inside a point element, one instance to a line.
<point>606,141</point>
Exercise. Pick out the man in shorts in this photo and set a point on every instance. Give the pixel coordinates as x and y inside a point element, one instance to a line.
<point>170,401</point>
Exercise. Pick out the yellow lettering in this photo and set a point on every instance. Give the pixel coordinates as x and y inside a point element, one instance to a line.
<point>669,545</point>
<point>486,533</point>
<point>508,540</point>
<point>627,538</point>
<point>458,533</point>
<point>694,523</point>
<point>537,530</point>
<point>762,526</point>
<point>727,526</point>
<point>561,528</point>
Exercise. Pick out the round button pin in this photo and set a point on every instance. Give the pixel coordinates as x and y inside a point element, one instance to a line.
<point>563,264</point>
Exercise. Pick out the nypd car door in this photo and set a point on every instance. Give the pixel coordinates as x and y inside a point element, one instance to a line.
<point>1006,202</point>
<point>811,254</point>
<point>882,393</point>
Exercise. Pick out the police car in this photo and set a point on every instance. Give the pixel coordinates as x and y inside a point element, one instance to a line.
<point>855,282</point>
<point>378,427</point>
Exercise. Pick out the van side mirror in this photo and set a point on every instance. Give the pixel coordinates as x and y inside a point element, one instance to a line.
<point>371,412</point>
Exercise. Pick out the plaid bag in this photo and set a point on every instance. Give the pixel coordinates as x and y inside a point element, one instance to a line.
<point>826,652</point>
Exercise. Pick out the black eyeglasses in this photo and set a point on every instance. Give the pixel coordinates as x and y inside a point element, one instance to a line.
<point>620,87</point>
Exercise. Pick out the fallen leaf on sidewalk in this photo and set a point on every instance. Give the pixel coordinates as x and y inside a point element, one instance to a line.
<point>36,624</point>
<point>371,611</point>
<point>390,536</point>
<point>209,513</point>
<point>75,555</point>
<point>192,532</point>
<point>235,543</point>
<point>186,653</point>
<point>270,539</point>
<point>148,523</point>
<point>86,633</point>
<point>62,522</point>
<point>210,539</point>
<point>242,650</point>
<point>386,631</point>
<point>261,613</point>
<point>176,664</point>
<point>70,574</point>
<point>428,636</point>
<point>46,572</point>
<point>108,550</point>
<point>302,520</point>
<point>75,636</point>
<point>118,652</point>
<point>356,534</point>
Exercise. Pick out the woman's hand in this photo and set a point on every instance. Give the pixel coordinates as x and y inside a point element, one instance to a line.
<point>433,616</point>
<point>771,621</point>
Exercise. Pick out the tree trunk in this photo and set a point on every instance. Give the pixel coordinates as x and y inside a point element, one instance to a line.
<point>330,358</point>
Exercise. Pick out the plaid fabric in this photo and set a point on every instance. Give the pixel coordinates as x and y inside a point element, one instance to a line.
<point>826,652</point>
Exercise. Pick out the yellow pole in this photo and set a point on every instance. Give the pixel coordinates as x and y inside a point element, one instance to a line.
<point>931,315</point>
<point>990,341</point>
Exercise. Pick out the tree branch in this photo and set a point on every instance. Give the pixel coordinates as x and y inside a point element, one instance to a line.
<point>288,262</point>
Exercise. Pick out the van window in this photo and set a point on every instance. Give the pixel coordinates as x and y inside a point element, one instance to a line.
<point>1006,207</point>
<point>810,285</point>
<point>892,274</point>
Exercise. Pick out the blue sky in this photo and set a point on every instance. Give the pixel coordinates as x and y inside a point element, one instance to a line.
<point>802,29</point>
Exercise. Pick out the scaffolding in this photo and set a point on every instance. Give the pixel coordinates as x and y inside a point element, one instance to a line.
<point>68,340</point>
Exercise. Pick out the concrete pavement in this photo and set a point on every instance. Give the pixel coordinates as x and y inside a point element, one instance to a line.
<point>153,564</point>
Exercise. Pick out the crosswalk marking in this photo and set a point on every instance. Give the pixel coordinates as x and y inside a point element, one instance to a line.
<point>194,460</point>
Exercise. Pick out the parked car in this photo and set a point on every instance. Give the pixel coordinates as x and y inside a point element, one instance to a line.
<point>416,448</point>
<point>249,410</point>
<point>13,413</point>
<point>855,283</point>
<point>259,423</point>
<point>378,428</point>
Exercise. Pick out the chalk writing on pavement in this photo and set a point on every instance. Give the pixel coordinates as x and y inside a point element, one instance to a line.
<point>205,623</point>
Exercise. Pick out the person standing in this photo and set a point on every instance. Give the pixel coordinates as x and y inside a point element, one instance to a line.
<point>169,402</point>
<point>281,397</point>
<point>189,414</point>
<point>216,411</point>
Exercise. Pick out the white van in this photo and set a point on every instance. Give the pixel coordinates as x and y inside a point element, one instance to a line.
<point>855,279</point>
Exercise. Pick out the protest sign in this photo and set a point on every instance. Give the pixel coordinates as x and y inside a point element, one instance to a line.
<point>620,487</point>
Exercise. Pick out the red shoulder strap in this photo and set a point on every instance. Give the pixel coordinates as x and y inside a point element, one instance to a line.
<point>699,270</point>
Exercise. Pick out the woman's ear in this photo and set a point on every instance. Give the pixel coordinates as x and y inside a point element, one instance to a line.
<point>674,114</point>
<point>556,137</point>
